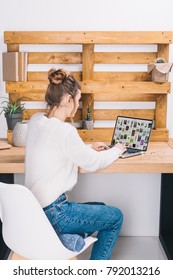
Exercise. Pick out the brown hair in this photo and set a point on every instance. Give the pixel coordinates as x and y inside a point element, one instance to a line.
<point>61,82</point>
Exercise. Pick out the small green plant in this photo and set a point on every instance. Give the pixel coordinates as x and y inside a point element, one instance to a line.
<point>88,116</point>
<point>160,60</point>
<point>12,107</point>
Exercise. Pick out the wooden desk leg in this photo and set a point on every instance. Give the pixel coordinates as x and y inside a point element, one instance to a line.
<point>166,214</point>
<point>4,250</point>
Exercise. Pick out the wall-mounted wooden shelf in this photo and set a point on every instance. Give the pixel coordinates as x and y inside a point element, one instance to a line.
<point>99,86</point>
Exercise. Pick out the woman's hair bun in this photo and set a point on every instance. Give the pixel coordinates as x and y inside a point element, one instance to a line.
<point>57,76</point>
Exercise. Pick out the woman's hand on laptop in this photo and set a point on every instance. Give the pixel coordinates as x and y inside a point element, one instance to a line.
<point>121,147</point>
<point>100,146</point>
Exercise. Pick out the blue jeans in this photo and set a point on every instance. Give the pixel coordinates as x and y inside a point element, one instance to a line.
<point>87,218</point>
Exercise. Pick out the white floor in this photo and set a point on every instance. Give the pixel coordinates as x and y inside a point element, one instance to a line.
<point>134,248</point>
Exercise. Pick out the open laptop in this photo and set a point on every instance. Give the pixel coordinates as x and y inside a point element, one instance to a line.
<point>133,133</point>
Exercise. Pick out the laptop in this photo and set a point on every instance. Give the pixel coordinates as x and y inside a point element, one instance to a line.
<point>133,133</point>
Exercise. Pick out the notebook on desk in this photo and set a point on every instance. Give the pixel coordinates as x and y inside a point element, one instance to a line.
<point>133,133</point>
<point>4,145</point>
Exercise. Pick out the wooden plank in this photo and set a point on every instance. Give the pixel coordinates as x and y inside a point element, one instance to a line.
<point>161,101</point>
<point>112,114</point>
<point>42,76</point>
<point>108,97</point>
<point>88,37</point>
<point>96,135</point>
<point>125,57</point>
<point>13,47</point>
<point>87,74</point>
<point>30,95</point>
<point>98,76</point>
<point>161,111</point>
<point>121,76</point>
<point>163,51</point>
<point>28,113</point>
<point>160,135</point>
<point>87,62</point>
<point>54,58</point>
<point>37,76</point>
<point>125,87</point>
<point>14,96</point>
<point>89,87</point>
<point>105,135</point>
<point>100,57</point>
<point>26,87</point>
<point>97,97</point>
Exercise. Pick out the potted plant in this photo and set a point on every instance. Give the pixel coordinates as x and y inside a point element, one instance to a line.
<point>12,111</point>
<point>88,122</point>
<point>159,70</point>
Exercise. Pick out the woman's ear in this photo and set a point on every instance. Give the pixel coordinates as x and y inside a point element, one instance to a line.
<point>69,99</point>
<point>66,100</point>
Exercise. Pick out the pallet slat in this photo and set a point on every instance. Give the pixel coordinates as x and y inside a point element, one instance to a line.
<point>54,58</point>
<point>99,58</point>
<point>94,87</point>
<point>112,114</point>
<point>87,74</point>
<point>28,113</point>
<point>161,111</point>
<point>88,37</point>
<point>128,97</point>
<point>105,135</point>
<point>125,57</point>
<point>98,76</point>
<point>125,87</point>
<point>108,97</point>
<point>42,76</point>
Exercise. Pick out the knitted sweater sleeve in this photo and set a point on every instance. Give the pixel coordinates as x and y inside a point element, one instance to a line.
<point>85,157</point>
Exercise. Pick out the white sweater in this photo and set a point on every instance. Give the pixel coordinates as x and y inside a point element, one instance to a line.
<point>54,151</point>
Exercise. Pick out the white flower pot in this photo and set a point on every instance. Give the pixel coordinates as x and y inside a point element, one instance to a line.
<point>20,134</point>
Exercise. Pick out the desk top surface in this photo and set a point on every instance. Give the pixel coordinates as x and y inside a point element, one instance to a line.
<point>158,159</point>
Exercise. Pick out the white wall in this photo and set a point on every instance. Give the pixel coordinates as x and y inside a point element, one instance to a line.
<point>137,195</point>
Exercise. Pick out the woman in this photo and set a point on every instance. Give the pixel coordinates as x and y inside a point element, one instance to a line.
<point>54,152</point>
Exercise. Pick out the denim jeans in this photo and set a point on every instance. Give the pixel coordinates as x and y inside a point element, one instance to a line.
<point>87,218</point>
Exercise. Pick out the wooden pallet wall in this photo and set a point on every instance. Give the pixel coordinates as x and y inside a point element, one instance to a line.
<point>99,86</point>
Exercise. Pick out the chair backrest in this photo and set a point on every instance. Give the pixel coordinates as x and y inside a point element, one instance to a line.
<point>26,229</point>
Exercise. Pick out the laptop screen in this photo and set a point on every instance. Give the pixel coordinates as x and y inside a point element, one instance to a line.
<point>132,132</point>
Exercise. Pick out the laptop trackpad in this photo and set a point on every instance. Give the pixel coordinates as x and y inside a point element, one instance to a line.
<point>126,154</point>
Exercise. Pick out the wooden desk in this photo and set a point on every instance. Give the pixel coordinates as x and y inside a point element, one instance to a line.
<point>158,159</point>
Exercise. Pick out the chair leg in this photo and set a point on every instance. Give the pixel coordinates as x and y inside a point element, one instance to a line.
<point>15,256</point>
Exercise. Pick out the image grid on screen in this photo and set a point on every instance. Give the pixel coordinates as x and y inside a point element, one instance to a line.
<point>133,133</point>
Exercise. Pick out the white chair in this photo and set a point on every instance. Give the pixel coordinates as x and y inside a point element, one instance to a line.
<point>26,229</point>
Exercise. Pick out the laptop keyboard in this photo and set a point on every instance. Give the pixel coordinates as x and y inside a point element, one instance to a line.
<point>131,151</point>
